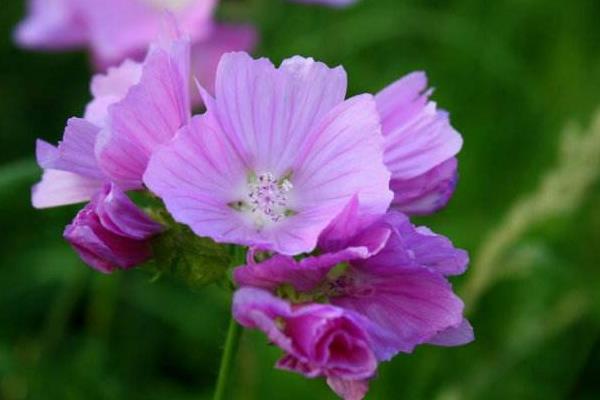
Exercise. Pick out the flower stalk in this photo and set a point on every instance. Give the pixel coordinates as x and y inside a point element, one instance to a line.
<point>227,359</point>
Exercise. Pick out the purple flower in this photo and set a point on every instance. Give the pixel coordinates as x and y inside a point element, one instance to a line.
<point>135,108</point>
<point>391,273</point>
<point>110,232</point>
<point>319,340</point>
<point>116,30</point>
<point>420,146</point>
<point>275,158</point>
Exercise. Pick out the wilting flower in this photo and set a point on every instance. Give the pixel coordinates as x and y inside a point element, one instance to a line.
<point>391,274</point>
<point>275,158</point>
<point>116,30</point>
<point>319,340</point>
<point>420,146</point>
<point>136,107</point>
<point>111,232</point>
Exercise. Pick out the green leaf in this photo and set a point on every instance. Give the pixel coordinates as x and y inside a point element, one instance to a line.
<point>198,261</point>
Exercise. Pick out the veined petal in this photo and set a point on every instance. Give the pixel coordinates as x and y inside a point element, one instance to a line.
<point>418,136</point>
<point>149,115</point>
<point>408,305</point>
<point>76,151</point>
<point>58,188</point>
<point>426,193</point>
<point>267,112</point>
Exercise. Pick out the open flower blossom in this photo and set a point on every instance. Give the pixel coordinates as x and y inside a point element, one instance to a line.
<point>391,274</point>
<point>420,146</point>
<point>111,232</point>
<point>116,30</point>
<point>276,156</point>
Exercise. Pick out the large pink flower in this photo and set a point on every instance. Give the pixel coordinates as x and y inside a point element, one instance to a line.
<point>276,157</point>
<point>420,146</point>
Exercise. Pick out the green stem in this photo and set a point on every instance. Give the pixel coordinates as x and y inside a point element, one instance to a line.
<point>231,344</point>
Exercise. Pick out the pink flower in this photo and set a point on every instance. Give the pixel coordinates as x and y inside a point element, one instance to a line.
<point>115,30</point>
<point>111,232</point>
<point>391,273</point>
<point>318,340</point>
<point>420,146</point>
<point>136,107</point>
<point>276,157</point>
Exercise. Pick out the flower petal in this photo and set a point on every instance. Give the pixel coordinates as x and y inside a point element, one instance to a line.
<point>149,115</point>
<point>411,245</point>
<point>349,389</point>
<point>267,112</point>
<point>76,151</point>
<point>207,53</point>
<point>455,336</point>
<point>110,88</point>
<point>58,188</point>
<point>418,137</point>
<point>426,193</point>
<point>51,25</point>
<point>408,305</point>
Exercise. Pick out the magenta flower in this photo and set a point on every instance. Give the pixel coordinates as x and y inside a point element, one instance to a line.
<point>392,274</point>
<point>319,340</point>
<point>116,30</point>
<point>136,107</point>
<point>275,158</point>
<point>110,232</point>
<point>420,146</point>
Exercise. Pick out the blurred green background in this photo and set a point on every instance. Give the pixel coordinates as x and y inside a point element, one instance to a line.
<point>512,73</point>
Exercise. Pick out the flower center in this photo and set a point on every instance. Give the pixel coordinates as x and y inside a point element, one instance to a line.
<point>266,199</point>
<point>171,5</point>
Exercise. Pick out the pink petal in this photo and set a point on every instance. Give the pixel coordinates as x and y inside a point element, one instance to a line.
<point>123,28</point>
<point>58,188</point>
<point>347,389</point>
<point>76,151</point>
<point>207,53</point>
<point>426,193</point>
<point>418,137</point>
<point>110,88</point>
<point>407,305</point>
<point>455,336</point>
<point>51,25</point>
<point>268,113</point>
<point>149,115</point>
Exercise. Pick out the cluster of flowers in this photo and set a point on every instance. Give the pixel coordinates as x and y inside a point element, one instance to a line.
<point>318,187</point>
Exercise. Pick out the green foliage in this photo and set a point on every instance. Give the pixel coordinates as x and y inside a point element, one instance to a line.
<point>511,73</point>
<point>197,261</point>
